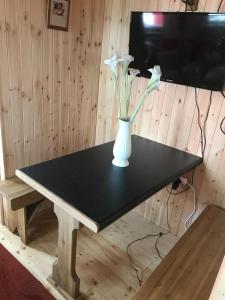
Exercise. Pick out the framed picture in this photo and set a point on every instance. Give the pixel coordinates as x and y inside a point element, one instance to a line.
<point>58,14</point>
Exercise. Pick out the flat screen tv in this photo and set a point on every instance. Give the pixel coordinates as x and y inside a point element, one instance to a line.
<point>189,47</point>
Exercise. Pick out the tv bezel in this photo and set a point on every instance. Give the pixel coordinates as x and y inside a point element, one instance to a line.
<point>186,83</point>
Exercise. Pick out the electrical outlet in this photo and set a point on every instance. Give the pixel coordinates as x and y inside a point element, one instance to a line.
<point>176,184</point>
<point>192,5</point>
<point>183,180</point>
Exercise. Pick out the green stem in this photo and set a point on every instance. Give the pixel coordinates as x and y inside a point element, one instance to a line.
<point>125,78</point>
<point>118,95</point>
<point>128,96</point>
<point>125,104</point>
<point>138,107</point>
<point>147,92</point>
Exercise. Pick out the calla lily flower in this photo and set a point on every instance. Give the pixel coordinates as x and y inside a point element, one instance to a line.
<point>120,67</point>
<point>156,74</point>
<point>127,59</point>
<point>113,62</point>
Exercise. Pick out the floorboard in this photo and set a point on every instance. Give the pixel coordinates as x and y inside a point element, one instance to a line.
<point>102,262</point>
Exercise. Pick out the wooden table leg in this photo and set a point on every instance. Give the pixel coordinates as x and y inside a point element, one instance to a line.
<point>64,273</point>
<point>22,224</point>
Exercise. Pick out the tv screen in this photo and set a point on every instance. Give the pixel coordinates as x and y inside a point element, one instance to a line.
<point>189,47</point>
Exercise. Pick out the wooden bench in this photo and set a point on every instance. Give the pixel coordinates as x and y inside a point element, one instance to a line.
<point>190,269</point>
<point>18,196</point>
<point>218,291</point>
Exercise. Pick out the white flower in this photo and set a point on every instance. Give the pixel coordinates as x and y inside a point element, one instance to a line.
<point>156,74</point>
<point>113,62</point>
<point>133,73</point>
<point>127,59</point>
<point>154,82</point>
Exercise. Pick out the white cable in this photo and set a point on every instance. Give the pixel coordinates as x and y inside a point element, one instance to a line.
<point>195,205</point>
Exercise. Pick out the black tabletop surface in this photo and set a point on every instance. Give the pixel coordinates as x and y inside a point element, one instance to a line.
<point>88,181</point>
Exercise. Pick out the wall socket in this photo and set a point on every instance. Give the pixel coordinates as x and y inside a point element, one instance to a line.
<point>192,5</point>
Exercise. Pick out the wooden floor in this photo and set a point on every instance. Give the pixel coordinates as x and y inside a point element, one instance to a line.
<point>192,266</point>
<point>102,262</point>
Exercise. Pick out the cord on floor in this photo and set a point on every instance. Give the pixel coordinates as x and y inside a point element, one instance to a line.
<point>130,257</point>
<point>157,235</point>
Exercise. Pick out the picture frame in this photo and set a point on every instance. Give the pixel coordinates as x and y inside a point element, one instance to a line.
<point>58,14</point>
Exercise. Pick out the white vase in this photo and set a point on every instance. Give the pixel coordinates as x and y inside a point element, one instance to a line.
<point>122,146</point>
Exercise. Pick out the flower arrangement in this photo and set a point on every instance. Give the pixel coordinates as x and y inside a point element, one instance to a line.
<point>124,77</point>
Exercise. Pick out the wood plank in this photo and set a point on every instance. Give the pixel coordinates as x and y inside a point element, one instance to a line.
<point>5,100</point>
<point>18,194</point>
<point>13,43</point>
<point>9,216</point>
<point>37,19</point>
<point>26,78</point>
<point>218,292</point>
<point>47,109</point>
<point>14,187</point>
<point>22,225</point>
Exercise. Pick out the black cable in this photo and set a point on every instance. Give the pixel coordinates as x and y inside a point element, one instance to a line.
<point>161,234</point>
<point>221,124</point>
<point>221,2</point>
<point>199,123</point>
<point>177,193</point>
<point>187,2</point>
<point>130,257</point>
<point>156,247</point>
<point>158,235</point>
<point>193,176</point>
<point>203,139</point>
<point>205,121</point>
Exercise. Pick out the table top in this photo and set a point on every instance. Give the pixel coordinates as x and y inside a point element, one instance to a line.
<point>89,187</point>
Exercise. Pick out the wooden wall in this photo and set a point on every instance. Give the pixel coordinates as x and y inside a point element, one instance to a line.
<point>48,80</point>
<point>169,116</point>
<point>53,85</point>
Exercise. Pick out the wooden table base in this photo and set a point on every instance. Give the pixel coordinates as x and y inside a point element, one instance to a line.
<point>64,270</point>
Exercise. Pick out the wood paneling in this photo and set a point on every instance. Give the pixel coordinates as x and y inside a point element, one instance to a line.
<point>53,83</point>
<point>168,116</point>
<point>48,80</point>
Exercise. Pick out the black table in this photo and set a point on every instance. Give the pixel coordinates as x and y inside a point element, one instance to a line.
<point>85,187</point>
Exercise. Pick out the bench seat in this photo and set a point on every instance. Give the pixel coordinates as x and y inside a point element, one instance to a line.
<point>190,269</point>
<point>18,193</point>
<point>17,196</point>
